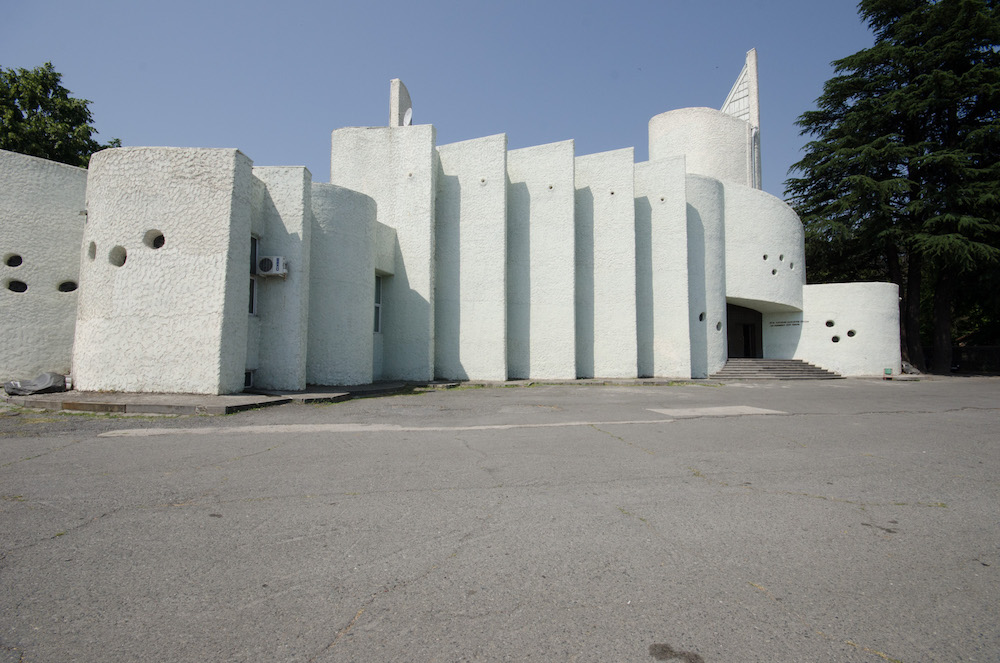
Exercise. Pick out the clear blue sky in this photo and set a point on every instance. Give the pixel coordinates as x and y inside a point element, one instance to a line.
<point>274,78</point>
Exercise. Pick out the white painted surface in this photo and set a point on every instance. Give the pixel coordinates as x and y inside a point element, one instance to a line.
<point>41,221</point>
<point>399,104</point>
<point>864,318</point>
<point>661,274</point>
<point>743,100</point>
<point>283,303</point>
<point>713,144</point>
<point>706,274</point>
<point>342,287</point>
<point>470,307</point>
<point>396,167</point>
<point>172,319</point>
<point>605,265</point>
<point>765,251</point>
<point>541,322</point>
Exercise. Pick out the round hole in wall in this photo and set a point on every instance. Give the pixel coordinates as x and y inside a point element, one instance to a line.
<point>550,187</point>
<point>781,257</point>
<point>92,250</point>
<point>791,265</point>
<point>17,286</point>
<point>851,333</point>
<point>662,198</point>
<point>154,239</point>
<point>765,256</point>
<point>612,193</point>
<point>701,317</point>
<point>409,174</point>
<point>482,180</point>
<point>13,260</point>
<point>829,323</point>
<point>67,286</point>
<point>773,272</point>
<point>835,339</point>
<point>117,256</point>
<point>718,326</point>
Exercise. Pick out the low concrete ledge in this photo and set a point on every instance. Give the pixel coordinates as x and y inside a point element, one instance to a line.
<point>124,403</point>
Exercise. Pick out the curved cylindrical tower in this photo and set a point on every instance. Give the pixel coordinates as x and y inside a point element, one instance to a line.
<point>713,143</point>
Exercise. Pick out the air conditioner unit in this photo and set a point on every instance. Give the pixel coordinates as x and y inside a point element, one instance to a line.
<point>272,266</point>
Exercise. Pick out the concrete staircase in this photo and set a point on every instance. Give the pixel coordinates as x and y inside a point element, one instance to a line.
<point>772,369</point>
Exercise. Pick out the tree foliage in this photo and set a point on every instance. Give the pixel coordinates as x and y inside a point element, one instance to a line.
<point>39,117</point>
<point>902,177</point>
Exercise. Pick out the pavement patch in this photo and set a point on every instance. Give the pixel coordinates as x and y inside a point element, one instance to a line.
<point>722,411</point>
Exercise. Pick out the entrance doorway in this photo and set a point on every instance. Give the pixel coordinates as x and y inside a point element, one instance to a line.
<point>745,327</point>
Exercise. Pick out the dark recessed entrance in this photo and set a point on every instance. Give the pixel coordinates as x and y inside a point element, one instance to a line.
<point>745,331</point>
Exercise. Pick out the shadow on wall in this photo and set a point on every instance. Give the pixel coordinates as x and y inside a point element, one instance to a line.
<point>448,282</point>
<point>584,295</point>
<point>644,301</point>
<point>697,294</point>
<point>408,330</point>
<point>518,281</point>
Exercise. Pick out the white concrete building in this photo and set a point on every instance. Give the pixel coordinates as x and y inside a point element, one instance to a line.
<point>202,273</point>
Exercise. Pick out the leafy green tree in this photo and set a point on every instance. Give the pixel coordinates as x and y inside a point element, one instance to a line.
<point>39,117</point>
<point>903,174</point>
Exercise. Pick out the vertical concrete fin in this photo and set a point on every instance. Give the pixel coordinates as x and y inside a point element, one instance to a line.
<point>540,262</point>
<point>470,301</point>
<point>605,265</point>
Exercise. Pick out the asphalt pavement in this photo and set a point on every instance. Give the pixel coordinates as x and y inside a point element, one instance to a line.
<point>848,520</point>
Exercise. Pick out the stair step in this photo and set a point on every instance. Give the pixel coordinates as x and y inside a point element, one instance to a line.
<point>742,368</point>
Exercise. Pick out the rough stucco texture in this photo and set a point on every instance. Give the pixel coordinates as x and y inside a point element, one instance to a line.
<point>862,317</point>
<point>706,274</point>
<point>285,214</point>
<point>342,287</point>
<point>605,265</point>
<point>713,143</point>
<point>541,322</point>
<point>396,167</point>
<point>661,269</point>
<point>171,318</point>
<point>765,251</point>
<point>470,307</point>
<point>41,227</point>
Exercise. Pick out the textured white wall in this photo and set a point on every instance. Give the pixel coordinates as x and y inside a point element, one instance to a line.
<point>765,251</point>
<point>283,303</point>
<point>713,143</point>
<point>664,345</point>
<point>470,306</point>
<point>605,265</point>
<point>706,274</point>
<point>541,322</point>
<point>396,167</point>
<point>41,221</point>
<point>174,318</point>
<point>342,287</point>
<point>864,318</point>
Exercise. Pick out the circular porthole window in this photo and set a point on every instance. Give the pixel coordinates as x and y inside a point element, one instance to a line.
<point>153,239</point>
<point>17,286</point>
<point>829,323</point>
<point>851,333</point>
<point>718,326</point>
<point>701,317</point>
<point>117,256</point>
<point>773,272</point>
<point>13,260</point>
<point>781,257</point>
<point>67,286</point>
<point>765,256</point>
<point>835,339</point>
